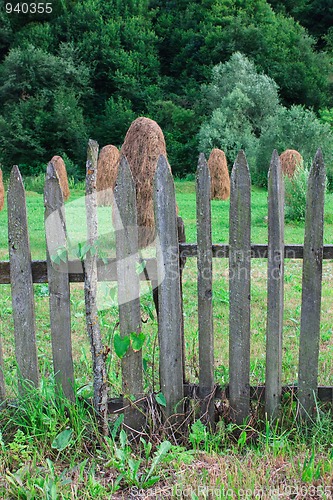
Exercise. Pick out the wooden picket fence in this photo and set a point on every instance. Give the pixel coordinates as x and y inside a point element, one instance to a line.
<point>166,270</point>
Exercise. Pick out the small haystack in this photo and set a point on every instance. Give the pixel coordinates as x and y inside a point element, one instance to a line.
<point>144,143</point>
<point>107,169</point>
<point>290,159</point>
<point>60,168</point>
<point>2,192</point>
<point>219,175</point>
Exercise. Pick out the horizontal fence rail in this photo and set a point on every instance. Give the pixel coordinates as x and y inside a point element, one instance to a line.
<point>107,268</point>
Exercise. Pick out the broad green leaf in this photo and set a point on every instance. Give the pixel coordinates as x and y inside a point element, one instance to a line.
<point>161,451</point>
<point>160,398</point>
<point>121,345</point>
<point>62,440</point>
<point>137,340</point>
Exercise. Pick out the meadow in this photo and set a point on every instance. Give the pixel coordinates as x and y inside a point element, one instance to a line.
<point>80,465</point>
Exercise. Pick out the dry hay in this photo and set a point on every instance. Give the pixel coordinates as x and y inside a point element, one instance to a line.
<point>107,169</point>
<point>143,144</point>
<point>290,160</point>
<point>60,168</point>
<point>219,175</point>
<point>2,192</point>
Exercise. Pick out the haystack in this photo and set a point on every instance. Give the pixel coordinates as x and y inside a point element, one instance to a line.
<point>219,175</point>
<point>60,168</point>
<point>107,169</point>
<point>290,160</point>
<point>2,192</point>
<point>144,143</point>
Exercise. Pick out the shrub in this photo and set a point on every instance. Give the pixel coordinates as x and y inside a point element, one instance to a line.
<point>295,194</point>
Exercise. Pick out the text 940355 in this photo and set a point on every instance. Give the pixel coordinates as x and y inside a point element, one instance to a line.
<point>28,8</point>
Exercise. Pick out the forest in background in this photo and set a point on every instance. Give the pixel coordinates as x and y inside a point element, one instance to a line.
<point>232,74</point>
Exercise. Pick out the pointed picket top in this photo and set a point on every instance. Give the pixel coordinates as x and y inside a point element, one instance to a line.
<point>202,165</point>
<point>125,187</point>
<point>240,171</point>
<point>163,174</point>
<point>15,180</point>
<point>318,170</point>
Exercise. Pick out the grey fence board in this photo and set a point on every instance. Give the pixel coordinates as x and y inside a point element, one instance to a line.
<point>21,281</point>
<point>239,289</point>
<point>90,290</point>
<point>125,216</point>
<point>275,288</point>
<point>311,287</point>
<point>59,288</point>
<point>169,299</point>
<point>205,286</point>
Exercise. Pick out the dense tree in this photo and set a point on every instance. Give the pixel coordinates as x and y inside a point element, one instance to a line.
<point>97,65</point>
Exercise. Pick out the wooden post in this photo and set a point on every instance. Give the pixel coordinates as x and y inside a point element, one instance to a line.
<point>128,290</point>
<point>239,289</point>
<point>274,288</point>
<point>311,288</point>
<point>205,295</point>
<point>59,289</point>
<point>169,300</point>
<point>21,283</point>
<point>90,291</point>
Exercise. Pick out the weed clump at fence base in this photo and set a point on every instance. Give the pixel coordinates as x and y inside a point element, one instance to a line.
<point>143,144</point>
<point>2,192</point>
<point>107,169</point>
<point>290,160</point>
<point>60,168</point>
<point>219,175</point>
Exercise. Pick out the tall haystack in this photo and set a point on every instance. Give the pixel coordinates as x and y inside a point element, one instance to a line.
<point>107,169</point>
<point>2,192</point>
<point>219,175</point>
<point>144,143</point>
<point>60,168</point>
<point>290,159</point>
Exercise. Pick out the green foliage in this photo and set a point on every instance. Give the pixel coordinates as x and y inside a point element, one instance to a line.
<point>129,466</point>
<point>294,128</point>
<point>295,194</point>
<point>242,101</point>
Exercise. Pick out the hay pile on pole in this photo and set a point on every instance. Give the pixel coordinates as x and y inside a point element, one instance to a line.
<point>143,144</point>
<point>60,168</point>
<point>2,192</point>
<point>290,160</point>
<point>219,175</point>
<point>107,169</point>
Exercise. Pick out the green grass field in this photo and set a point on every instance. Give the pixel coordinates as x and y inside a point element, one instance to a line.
<point>31,464</point>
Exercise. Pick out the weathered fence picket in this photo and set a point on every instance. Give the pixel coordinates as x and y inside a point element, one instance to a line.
<point>59,288</point>
<point>169,300</point>
<point>275,288</point>
<point>125,218</point>
<point>89,261</point>
<point>21,282</point>
<point>205,295</point>
<point>311,288</point>
<point>239,289</point>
